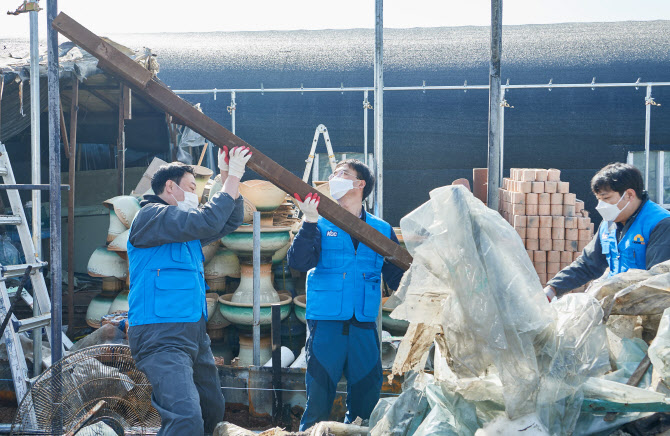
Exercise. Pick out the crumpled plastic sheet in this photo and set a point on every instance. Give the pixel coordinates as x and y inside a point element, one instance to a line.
<point>450,414</point>
<point>472,276</point>
<point>402,415</point>
<point>659,350</point>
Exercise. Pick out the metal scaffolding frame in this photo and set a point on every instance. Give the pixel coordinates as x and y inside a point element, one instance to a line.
<point>648,102</point>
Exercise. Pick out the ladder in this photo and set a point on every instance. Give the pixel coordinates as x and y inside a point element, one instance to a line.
<point>320,129</point>
<point>11,335</point>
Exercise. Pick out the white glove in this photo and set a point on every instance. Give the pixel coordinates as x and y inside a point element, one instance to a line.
<point>223,158</point>
<point>550,293</point>
<point>238,158</point>
<point>308,207</point>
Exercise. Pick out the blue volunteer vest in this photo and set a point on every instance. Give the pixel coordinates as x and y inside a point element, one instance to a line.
<point>345,281</point>
<point>167,283</point>
<point>631,252</point>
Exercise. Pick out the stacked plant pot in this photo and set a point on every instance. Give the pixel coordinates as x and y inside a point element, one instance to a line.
<point>550,220</point>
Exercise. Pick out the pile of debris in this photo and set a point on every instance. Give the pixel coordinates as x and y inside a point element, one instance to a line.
<point>505,358</point>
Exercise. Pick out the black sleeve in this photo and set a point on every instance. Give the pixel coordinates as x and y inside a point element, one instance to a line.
<point>305,250</point>
<point>590,265</point>
<point>156,225</point>
<point>392,274</point>
<point>658,249</point>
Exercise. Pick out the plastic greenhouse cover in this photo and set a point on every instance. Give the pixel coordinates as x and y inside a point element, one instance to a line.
<point>472,276</point>
<point>659,350</point>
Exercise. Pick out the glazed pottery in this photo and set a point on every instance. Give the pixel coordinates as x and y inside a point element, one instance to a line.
<point>280,254</point>
<point>202,175</point>
<point>116,227</point>
<point>242,316</point>
<point>241,241</point>
<point>120,303</point>
<point>212,304</point>
<point>215,321</point>
<point>223,264</point>
<point>105,263</point>
<point>263,194</point>
<point>397,327</point>
<point>111,286</point>
<point>210,250</point>
<point>125,207</point>
<point>120,243</point>
<point>97,308</point>
<point>245,292</point>
<point>246,355</point>
<point>249,210</point>
<point>300,307</point>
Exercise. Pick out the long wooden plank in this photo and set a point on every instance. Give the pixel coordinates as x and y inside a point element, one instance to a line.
<point>160,96</point>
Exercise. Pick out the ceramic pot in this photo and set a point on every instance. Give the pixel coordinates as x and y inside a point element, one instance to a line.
<point>105,263</point>
<point>280,254</point>
<point>241,241</point>
<point>111,286</point>
<point>120,244</point>
<point>217,285</point>
<point>249,210</point>
<point>125,207</point>
<point>215,321</point>
<point>263,194</point>
<point>300,307</point>
<point>242,314</point>
<point>120,303</point>
<point>202,175</point>
<point>210,250</point>
<point>246,355</point>
<point>245,292</point>
<point>116,227</point>
<point>212,299</point>
<point>397,327</point>
<point>223,264</point>
<point>97,308</point>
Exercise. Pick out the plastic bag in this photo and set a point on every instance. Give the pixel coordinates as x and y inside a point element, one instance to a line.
<point>402,415</point>
<point>9,254</point>
<point>450,414</point>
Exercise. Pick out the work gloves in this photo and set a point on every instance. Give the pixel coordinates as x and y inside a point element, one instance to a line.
<point>234,161</point>
<point>550,293</point>
<point>308,207</point>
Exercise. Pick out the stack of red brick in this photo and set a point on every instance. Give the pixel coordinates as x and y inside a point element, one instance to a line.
<point>551,222</point>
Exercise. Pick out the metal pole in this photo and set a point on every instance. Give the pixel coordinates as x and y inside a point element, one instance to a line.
<point>494,156</point>
<point>55,260</point>
<point>365,126</point>
<point>74,110</point>
<point>647,132</point>
<point>277,403</point>
<point>502,135</point>
<point>35,107</point>
<point>257,289</point>
<point>379,107</point>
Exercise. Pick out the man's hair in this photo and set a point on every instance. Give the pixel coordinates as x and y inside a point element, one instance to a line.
<point>362,173</point>
<point>618,177</point>
<point>172,171</point>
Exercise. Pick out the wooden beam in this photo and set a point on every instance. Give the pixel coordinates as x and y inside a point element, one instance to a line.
<point>2,89</point>
<point>115,62</point>
<point>100,96</point>
<point>63,132</point>
<point>74,110</point>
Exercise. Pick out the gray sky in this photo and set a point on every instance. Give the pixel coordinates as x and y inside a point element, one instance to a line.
<point>141,16</point>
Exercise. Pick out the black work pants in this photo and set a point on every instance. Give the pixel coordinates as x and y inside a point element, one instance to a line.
<point>179,364</point>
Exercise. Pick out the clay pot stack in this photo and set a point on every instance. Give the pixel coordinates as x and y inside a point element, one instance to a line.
<point>551,222</point>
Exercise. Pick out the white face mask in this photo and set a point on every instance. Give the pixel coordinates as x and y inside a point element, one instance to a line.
<point>610,212</point>
<point>339,187</point>
<point>190,200</point>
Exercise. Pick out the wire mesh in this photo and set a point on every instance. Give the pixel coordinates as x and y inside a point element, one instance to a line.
<point>63,395</point>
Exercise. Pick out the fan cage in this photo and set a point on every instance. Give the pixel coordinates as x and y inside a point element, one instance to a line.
<point>63,395</point>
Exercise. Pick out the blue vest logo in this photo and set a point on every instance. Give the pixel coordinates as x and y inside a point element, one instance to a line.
<point>331,233</point>
<point>638,239</point>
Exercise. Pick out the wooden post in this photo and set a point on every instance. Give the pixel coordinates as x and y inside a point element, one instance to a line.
<point>2,89</point>
<point>74,109</point>
<point>156,93</point>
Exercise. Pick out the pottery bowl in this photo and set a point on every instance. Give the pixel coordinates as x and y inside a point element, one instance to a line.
<point>97,308</point>
<point>241,241</point>
<point>120,303</point>
<point>300,307</point>
<point>120,243</point>
<point>105,263</point>
<point>116,227</point>
<point>397,327</point>
<point>125,207</point>
<point>263,194</point>
<point>242,314</point>
<point>223,264</point>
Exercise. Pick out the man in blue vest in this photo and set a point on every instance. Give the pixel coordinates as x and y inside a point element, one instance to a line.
<point>168,311</point>
<point>634,233</point>
<point>343,299</point>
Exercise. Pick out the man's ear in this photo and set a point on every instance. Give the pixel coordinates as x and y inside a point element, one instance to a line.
<point>361,184</point>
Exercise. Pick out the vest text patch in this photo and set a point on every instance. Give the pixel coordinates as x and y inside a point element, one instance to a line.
<point>331,233</point>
